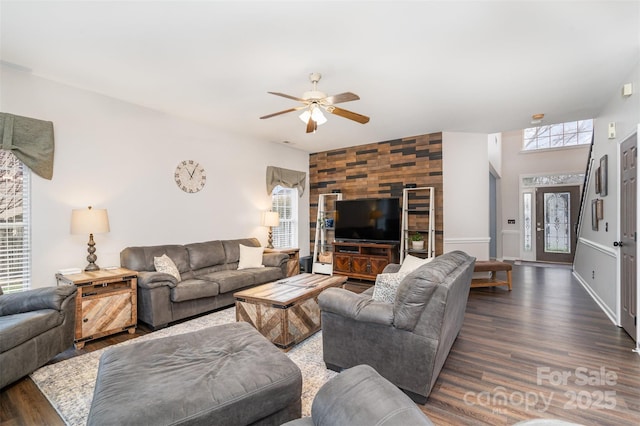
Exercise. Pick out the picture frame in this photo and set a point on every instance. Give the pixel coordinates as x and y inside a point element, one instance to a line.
<point>594,215</point>
<point>603,172</point>
<point>599,208</point>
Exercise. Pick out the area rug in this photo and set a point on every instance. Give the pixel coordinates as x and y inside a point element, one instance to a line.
<point>69,384</point>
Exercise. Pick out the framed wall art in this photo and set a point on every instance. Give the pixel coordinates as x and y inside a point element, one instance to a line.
<point>594,215</point>
<point>602,173</point>
<point>599,208</point>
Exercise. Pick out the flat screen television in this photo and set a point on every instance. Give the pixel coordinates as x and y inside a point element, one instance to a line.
<point>373,220</point>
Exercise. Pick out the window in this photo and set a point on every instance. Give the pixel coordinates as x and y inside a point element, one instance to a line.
<point>15,253</point>
<point>285,202</point>
<point>560,135</point>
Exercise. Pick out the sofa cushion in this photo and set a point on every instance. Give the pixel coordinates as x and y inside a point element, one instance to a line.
<point>165,265</point>
<point>232,248</point>
<point>250,257</point>
<point>265,275</point>
<point>18,328</point>
<point>204,255</point>
<point>386,287</point>
<point>411,263</point>
<point>194,289</point>
<point>230,280</point>
<point>141,258</point>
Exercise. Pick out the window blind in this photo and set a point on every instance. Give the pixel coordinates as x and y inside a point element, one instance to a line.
<point>15,238</point>
<point>285,202</point>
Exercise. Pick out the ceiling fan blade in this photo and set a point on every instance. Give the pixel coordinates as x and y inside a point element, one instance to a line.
<point>362,119</point>
<point>289,97</point>
<point>284,112</point>
<point>342,97</point>
<point>311,125</point>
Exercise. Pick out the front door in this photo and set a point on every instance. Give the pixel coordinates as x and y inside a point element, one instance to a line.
<point>628,233</point>
<point>556,217</point>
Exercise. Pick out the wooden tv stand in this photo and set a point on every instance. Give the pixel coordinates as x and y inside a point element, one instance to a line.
<point>363,260</point>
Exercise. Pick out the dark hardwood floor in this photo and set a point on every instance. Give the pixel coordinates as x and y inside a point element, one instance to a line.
<point>543,350</point>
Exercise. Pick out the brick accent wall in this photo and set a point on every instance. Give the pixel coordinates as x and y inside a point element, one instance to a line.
<point>379,170</point>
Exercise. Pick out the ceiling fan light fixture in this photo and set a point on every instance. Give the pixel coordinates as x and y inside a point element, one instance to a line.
<point>316,115</point>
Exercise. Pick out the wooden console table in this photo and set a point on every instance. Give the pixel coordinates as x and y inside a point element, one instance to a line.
<point>491,266</point>
<point>293,264</point>
<point>106,303</point>
<point>363,260</point>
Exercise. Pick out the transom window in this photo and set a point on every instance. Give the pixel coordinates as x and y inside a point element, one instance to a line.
<point>15,252</point>
<point>285,202</point>
<point>560,135</point>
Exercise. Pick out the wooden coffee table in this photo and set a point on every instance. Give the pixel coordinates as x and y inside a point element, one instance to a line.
<point>285,311</point>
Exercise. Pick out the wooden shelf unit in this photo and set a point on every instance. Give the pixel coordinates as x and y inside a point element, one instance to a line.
<point>418,216</point>
<point>323,246</point>
<point>363,260</point>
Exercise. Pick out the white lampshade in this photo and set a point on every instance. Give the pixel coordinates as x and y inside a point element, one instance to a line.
<point>89,221</point>
<point>270,219</point>
<point>317,116</point>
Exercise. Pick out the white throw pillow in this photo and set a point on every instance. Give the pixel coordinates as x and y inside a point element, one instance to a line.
<point>411,263</point>
<point>386,287</point>
<point>166,265</point>
<point>250,257</point>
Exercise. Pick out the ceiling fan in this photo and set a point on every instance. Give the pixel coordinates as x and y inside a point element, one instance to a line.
<point>315,101</point>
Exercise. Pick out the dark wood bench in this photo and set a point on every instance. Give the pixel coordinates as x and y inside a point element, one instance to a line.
<point>491,266</point>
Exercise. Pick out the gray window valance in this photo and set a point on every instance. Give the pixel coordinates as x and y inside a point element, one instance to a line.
<point>285,178</point>
<point>30,140</point>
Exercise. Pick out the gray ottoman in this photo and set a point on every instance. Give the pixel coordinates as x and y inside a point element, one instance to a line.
<point>224,375</point>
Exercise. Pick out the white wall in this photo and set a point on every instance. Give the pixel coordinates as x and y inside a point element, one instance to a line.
<point>517,164</point>
<point>465,167</point>
<point>597,261</point>
<point>119,156</point>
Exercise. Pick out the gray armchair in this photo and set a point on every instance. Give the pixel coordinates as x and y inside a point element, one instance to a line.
<point>35,325</point>
<point>360,396</point>
<point>407,341</point>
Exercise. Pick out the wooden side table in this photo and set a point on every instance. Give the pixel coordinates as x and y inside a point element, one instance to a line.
<point>293,264</point>
<point>106,303</point>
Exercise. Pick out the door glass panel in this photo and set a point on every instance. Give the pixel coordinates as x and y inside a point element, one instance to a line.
<point>528,230</point>
<point>556,222</point>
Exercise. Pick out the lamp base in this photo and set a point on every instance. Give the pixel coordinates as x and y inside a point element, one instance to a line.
<point>91,258</point>
<point>91,267</point>
<point>270,239</point>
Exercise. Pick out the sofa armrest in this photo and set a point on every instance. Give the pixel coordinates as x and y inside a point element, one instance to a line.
<point>360,395</point>
<point>156,279</point>
<point>36,299</point>
<point>355,306</point>
<point>391,268</point>
<point>274,259</point>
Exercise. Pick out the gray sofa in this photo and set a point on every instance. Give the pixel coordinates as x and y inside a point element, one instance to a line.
<point>209,277</point>
<point>35,326</point>
<point>407,341</point>
<point>360,396</point>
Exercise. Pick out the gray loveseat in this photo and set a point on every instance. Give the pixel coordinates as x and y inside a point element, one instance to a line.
<point>407,341</point>
<point>209,277</point>
<point>35,326</point>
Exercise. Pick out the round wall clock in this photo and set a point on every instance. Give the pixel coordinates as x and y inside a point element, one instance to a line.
<point>190,176</point>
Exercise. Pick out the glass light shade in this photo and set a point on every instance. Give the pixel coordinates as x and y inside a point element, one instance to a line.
<point>89,221</point>
<point>270,219</point>
<point>317,116</point>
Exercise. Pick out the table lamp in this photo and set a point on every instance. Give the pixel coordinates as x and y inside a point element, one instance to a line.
<point>90,221</point>
<point>270,219</point>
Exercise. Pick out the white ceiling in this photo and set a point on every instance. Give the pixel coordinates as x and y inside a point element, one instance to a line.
<point>418,67</point>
